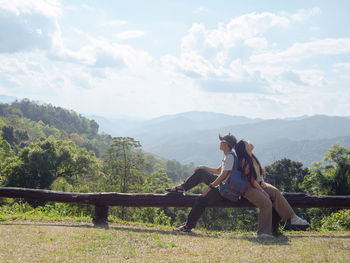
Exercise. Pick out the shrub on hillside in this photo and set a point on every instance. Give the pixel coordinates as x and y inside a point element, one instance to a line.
<point>337,221</point>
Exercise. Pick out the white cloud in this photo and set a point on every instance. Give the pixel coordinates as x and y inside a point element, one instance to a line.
<point>207,54</point>
<point>342,69</point>
<point>102,53</point>
<point>48,8</point>
<point>343,65</point>
<point>314,78</point>
<point>304,14</point>
<point>115,23</point>
<point>28,25</point>
<point>299,51</point>
<point>244,27</point>
<point>256,42</point>
<point>130,34</point>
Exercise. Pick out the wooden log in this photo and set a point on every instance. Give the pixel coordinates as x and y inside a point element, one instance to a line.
<point>162,200</point>
<point>102,201</point>
<point>48,195</point>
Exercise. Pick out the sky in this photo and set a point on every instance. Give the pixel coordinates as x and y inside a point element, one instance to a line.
<point>144,59</point>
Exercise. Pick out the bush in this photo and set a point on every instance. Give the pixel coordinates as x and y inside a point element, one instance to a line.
<point>337,221</point>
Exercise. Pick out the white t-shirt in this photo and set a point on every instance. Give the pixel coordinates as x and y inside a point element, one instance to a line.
<point>227,163</point>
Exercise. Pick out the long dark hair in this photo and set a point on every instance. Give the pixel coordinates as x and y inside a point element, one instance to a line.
<point>244,160</point>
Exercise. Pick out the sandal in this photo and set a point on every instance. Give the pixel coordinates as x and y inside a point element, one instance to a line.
<point>175,190</point>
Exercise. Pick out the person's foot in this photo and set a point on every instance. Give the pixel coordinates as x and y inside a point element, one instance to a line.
<point>263,235</point>
<point>298,221</point>
<point>176,189</point>
<point>184,229</point>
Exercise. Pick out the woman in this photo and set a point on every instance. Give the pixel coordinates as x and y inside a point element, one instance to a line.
<point>261,194</point>
<point>206,175</point>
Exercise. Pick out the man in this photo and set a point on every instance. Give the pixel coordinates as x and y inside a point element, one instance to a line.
<point>207,175</point>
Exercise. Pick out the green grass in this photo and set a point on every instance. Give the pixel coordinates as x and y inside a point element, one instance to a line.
<point>67,241</point>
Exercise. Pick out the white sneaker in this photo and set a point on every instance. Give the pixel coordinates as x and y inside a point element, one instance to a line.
<point>263,235</point>
<point>299,221</point>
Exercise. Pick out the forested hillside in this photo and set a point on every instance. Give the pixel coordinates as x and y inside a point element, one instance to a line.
<point>24,123</point>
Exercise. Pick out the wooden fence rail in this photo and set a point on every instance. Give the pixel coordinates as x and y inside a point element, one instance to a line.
<point>102,201</point>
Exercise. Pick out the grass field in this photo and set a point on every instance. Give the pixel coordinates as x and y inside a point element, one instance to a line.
<point>28,241</point>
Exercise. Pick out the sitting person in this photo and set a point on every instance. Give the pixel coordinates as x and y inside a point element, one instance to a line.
<point>261,194</point>
<point>207,175</point>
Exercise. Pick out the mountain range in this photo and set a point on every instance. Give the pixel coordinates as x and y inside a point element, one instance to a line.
<point>193,136</point>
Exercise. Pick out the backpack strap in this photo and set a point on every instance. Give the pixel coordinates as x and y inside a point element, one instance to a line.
<point>235,160</point>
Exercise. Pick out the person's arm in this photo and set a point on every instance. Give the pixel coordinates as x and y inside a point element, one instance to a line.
<point>217,181</point>
<point>257,186</point>
<point>253,182</point>
<point>262,183</point>
<point>210,170</point>
<point>220,178</point>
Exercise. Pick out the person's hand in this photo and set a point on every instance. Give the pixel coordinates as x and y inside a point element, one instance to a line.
<point>199,167</point>
<point>263,185</point>
<point>265,193</point>
<point>206,191</point>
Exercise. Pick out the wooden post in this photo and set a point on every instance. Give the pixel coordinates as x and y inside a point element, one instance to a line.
<point>101,216</point>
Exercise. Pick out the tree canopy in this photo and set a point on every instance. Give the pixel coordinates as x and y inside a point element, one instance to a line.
<point>330,176</point>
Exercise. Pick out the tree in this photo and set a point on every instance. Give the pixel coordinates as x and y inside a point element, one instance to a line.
<point>124,160</point>
<point>5,152</point>
<point>286,175</point>
<point>9,135</point>
<point>178,172</point>
<point>330,176</point>
<point>39,164</point>
<point>156,182</point>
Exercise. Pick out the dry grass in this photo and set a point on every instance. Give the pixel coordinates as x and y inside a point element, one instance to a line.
<point>74,242</point>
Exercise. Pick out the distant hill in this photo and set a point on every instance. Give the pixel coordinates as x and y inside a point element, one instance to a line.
<point>305,151</point>
<point>7,99</point>
<point>169,124</point>
<point>193,136</point>
<point>116,126</point>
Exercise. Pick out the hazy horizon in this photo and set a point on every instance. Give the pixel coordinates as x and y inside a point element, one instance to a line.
<point>139,118</point>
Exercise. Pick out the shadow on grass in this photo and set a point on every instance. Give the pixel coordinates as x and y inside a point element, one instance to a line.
<point>280,240</point>
<point>157,231</point>
<point>46,224</point>
<point>320,236</point>
<point>113,228</point>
